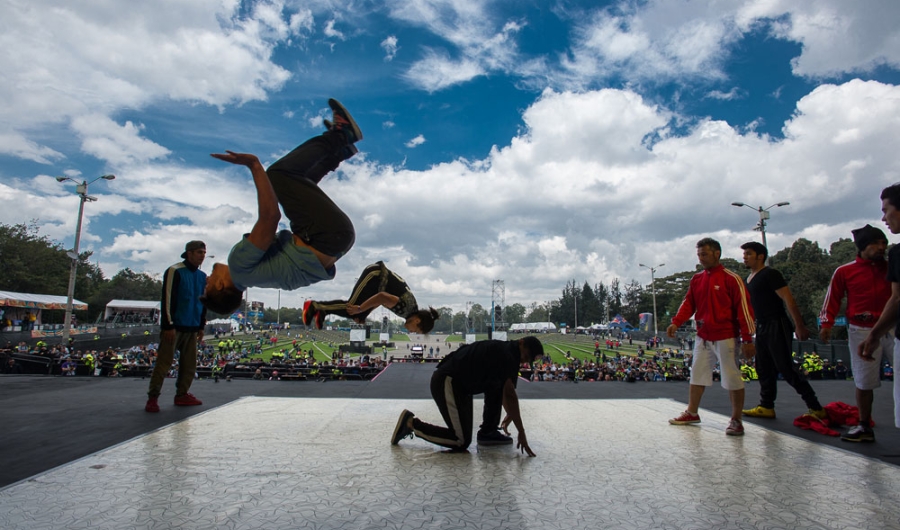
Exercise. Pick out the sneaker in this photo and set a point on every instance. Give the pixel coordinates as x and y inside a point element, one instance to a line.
<point>493,438</point>
<point>760,411</point>
<point>187,400</point>
<point>735,428</point>
<point>327,123</point>
<point>152,405</point>
<point>859,434</point>
<point>308,312</point>
<point>402,429</point>
<point>818,414</point>
<point>320,319</point>
<point>344,122</point>
<point>685,419</point>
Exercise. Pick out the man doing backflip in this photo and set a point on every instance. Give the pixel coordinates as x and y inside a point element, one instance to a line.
<point>717,298</point>
<point>864,283</point>
<point>182,319</point>
<point>377,286</point>
<point>320,232</point>
<point>769,294</point>
<point>490,367</point>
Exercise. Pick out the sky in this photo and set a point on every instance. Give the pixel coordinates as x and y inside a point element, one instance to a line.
<point>533,142</point>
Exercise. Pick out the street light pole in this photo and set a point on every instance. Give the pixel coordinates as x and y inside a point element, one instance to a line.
<point>81,190</point>
<point>764,215</point>
<point>653,293</point>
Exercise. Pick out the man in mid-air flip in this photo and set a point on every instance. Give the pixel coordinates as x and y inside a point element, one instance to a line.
<point>320,232</point>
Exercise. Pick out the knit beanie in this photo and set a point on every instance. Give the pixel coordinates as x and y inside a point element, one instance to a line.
<point>867,235</point>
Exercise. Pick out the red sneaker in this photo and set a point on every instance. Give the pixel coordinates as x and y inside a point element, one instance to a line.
<point>320,319</point>
<point>309,313</point>
<point>735,428</point>
<point>187,400</point>
<point>152,405</point>
<point>685,418</point>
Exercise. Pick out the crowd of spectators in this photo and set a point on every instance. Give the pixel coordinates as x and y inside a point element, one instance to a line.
<point>656,367</point>
<point>225,358</point>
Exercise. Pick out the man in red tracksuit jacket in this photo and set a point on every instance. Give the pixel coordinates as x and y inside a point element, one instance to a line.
<point>721,307</point>
<point>863,282</point>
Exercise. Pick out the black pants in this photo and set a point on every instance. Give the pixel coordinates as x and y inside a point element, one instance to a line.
<point>372,281</point>
<point>455,404</point>
<point>773,356</point>
<point>314,217</point>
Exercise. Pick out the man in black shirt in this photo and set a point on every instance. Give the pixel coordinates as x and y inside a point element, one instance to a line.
<point>890,207</point>
<point>769,294</point>
<point>490,367</point>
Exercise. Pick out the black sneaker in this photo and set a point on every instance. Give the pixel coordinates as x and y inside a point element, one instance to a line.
<point>493,438</point>
<point>402,430</point>
<point>859,434</point>
<point>344,122</point>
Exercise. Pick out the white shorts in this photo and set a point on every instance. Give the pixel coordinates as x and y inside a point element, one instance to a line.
<point>867,374</point>
<point>706,353</point>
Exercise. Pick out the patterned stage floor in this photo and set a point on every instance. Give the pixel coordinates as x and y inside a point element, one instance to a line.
<point>273,463</point>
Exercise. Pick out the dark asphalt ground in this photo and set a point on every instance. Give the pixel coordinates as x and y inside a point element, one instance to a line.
<point>46,421</point>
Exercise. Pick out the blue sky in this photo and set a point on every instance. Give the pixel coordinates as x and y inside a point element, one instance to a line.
<point>534,142</point>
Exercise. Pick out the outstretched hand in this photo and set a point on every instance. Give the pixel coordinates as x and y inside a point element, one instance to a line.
<point>522,445</point>
<point>241,159</point>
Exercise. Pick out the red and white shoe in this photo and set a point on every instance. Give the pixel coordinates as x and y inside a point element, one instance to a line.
<point>685,418</point>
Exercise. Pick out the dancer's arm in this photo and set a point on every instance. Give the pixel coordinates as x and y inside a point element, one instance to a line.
<point>263,232</point>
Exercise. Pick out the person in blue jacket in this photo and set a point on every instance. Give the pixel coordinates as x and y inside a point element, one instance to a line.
<point>182,319</point>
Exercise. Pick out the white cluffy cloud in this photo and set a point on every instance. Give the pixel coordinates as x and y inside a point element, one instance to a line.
<point>202,51</point>
<point>389,44</point>
<point>415,142</point>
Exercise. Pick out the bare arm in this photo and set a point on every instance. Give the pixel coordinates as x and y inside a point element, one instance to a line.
<point>785,294</point>
<point>511,405</point>
<point>887,319</point>
<point>379,299</point>
<point>263,232</point>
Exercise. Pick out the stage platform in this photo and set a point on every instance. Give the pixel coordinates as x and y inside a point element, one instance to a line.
<point>80,452</point>
<point>326,463</point>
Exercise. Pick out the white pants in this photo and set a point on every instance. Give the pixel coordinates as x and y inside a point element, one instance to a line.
<point>867,374</point>
<point>706,353</point>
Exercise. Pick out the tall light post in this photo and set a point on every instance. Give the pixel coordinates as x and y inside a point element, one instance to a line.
<point>763,216</point>
<point>81,190</point>
<point>653,293</point>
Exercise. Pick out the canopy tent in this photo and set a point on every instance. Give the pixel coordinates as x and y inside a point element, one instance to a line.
<point>224,323</point>
<point>533,326</point>
<point>16,306</point>
<point>127,310</point>
<point>38,301</point>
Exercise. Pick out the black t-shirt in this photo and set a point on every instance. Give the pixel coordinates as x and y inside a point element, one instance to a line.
<point>767,305</point>
<point>483,366</point>
<point>894,275</point>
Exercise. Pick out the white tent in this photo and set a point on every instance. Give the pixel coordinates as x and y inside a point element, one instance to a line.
<point>533,326</point>
<point>16,305</point>
<point>38,301</point>
<point>118,310</point>
<point>224,323</point>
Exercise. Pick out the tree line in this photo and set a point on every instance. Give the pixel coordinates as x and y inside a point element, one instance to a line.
<point>32,263</point>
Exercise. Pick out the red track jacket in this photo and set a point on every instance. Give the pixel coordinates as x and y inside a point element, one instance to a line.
<point>720,304</point>
<point>864,283</point>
